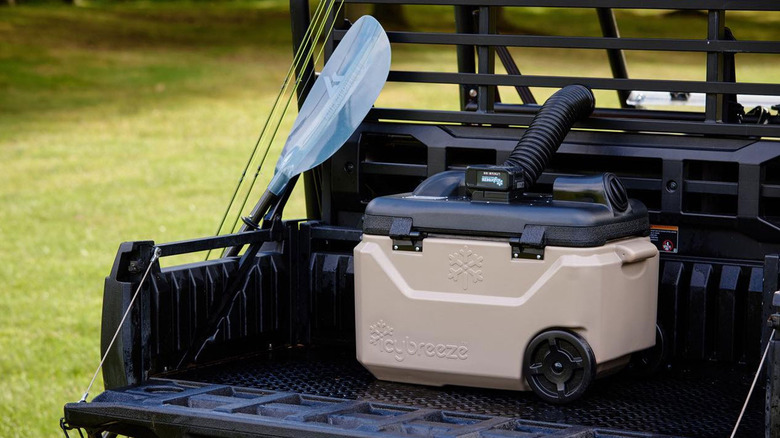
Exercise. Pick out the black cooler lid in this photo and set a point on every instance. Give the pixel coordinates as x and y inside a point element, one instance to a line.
<point>574,216</point>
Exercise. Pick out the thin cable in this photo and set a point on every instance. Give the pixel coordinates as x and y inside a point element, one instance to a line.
<point>276,129</point>
<point>286,107</point>
<point>316,27</point>
<point>306,41</point>
<point>753,385</point>
<point>155,256</point>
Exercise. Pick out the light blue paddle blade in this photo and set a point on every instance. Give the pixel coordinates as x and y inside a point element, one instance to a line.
<point>342,95</point>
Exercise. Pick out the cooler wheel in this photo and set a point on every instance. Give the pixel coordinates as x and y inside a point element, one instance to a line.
<point>559,366</point>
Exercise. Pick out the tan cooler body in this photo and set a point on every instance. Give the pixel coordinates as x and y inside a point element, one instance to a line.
<point>435,306</point>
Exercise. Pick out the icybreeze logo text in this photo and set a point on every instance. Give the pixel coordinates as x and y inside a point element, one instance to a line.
<point>497,180</point>
<point>381,335</point>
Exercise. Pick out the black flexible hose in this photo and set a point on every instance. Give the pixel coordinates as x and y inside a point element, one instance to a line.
<point>548,129</point>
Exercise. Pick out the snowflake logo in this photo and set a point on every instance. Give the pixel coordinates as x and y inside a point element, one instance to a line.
<point>379,331</point>
<point>464,264</point>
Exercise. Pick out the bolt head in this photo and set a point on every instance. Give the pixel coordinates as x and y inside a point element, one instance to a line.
<point>395,246</point>
<point>135,267</point>
<point>538,257</point>
<point>472,93</point>
<point>417,248</point>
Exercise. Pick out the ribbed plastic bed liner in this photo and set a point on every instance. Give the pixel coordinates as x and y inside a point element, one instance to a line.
<point>701,402</point>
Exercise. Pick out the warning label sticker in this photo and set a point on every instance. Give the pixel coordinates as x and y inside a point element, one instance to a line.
<point>664,237</point>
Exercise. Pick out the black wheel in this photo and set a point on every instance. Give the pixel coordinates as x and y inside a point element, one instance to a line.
<point>559,366</point>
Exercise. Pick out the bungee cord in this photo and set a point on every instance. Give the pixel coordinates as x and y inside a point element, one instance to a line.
<point>302,56</point>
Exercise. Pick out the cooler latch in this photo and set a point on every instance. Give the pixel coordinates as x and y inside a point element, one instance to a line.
<point>404,239</point>
<point>530,245</point>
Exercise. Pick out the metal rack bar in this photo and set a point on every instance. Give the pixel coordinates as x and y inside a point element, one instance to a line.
<point>611,124</point>
<point>735,5</point>
<point>566,42</point>
<point>597,83</point>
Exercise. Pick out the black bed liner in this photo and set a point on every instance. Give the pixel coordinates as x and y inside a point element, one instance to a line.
<point>342,398</point>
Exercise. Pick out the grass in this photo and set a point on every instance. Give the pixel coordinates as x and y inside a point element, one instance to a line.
<point>132,121</point>
<point>115,124</point>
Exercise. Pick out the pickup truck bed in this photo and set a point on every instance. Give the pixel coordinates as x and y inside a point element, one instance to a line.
<point>264,346</point>
<point>289,385</point>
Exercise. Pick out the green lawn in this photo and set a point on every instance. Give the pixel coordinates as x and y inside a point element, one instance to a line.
<point>133,121</point>
<point>115,124</point>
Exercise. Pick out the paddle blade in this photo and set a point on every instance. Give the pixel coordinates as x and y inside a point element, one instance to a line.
<point>342,95</point>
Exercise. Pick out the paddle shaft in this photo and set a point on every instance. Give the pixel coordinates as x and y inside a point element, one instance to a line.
<point>266,201</point>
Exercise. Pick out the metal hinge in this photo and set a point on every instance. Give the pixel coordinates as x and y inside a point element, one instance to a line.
<point>520,251</point>
<point>412,242</point>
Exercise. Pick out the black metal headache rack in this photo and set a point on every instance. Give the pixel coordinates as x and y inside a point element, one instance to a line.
<point>478,43</point>
<point>708,166</point>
